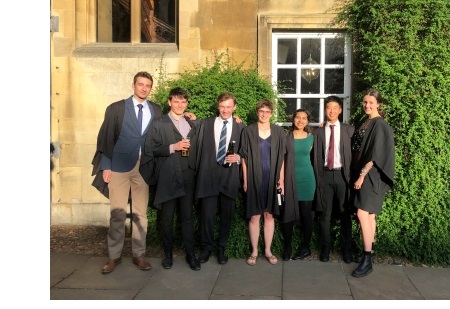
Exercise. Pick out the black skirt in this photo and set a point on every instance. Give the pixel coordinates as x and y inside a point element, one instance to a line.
<point>372,193</point>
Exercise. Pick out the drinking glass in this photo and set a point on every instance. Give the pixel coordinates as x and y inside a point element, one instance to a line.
<point>185,153</point>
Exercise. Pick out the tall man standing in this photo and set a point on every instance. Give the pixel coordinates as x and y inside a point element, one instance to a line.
<point>332,160</point>
<point>217,186</point>
<point>175,158</point>
<point>118,163</point>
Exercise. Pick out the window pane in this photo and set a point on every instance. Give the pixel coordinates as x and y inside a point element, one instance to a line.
<point>113,21</point>
<point>291,107</point>
<point>334,81</point>
<point>313,106</point>
<point>287,51</point>
<point>310,87</point>
<point>334,51</point>
<point>287,79</point>
<point>310,49</point>
<point>158,21</point>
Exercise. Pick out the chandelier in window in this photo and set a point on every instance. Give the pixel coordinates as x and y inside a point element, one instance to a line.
<point>310,74</point>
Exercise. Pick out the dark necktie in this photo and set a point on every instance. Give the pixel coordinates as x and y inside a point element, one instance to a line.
<point>330,159</point>
<point>222,143</point>
<point>140,117</point>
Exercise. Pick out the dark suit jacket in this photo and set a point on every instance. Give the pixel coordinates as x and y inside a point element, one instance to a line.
<point>213,178</point>
<point>119,140</point>
<point>171,170</point>
<point>319,160</point>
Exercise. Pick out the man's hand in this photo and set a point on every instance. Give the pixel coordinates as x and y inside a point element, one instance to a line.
<point>191,116</point>
<point>233,158</point>
<point>182,145</point>
<point>238,120</point>
<point>107,176</point>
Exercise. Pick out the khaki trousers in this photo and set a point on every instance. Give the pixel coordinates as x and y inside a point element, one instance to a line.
<point>119,188</point>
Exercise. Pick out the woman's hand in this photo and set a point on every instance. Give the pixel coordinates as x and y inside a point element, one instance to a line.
<point>280,185</point>
<point>359,182</point>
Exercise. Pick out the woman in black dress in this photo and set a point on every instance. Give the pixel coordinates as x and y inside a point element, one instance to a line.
<point>374,161</point>
<point>262,151</point>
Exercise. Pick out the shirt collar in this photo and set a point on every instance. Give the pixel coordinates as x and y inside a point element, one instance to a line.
<point>230,120</point>
<point>337,123</point>
<point>136,102</point>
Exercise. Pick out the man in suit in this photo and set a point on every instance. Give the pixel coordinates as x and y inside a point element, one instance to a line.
<point>120,166</point>
<point>217,185</point>
<point>332,170</point>
<point>175,158</point>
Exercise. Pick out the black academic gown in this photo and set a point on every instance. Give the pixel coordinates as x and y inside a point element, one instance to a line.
<point>213,179</point>
<point>377,146</point>
<point>250,152</point>
<point>171,170</point>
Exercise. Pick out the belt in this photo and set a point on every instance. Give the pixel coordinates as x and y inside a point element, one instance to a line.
<point>332,169</point>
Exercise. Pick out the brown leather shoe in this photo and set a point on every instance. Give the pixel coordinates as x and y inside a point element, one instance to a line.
<point>141,263</point>
<point>111,265</point>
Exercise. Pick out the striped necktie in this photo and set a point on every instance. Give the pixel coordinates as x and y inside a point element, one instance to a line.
<point>222,143</point>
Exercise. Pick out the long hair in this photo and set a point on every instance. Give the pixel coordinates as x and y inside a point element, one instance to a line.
<point>308,116</point>
<point>377,95</point>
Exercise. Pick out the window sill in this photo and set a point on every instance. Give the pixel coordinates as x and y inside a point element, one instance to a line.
<point>125,50</point>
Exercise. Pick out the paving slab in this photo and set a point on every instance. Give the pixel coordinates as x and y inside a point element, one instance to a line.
<point>238,280</point>
<point>314,280</point>
<point>386,282</point>
<point>62,265</point>
<point>126,276</point>
<point>432,282</point>
<point>181,282</point>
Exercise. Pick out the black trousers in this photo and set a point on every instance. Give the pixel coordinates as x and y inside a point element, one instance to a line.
<point>337,195</point>
<point>186,206</point>
<point>210,206</point>
<point>306,220</point>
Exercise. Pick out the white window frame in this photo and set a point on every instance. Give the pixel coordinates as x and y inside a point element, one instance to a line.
<point>345,96</point>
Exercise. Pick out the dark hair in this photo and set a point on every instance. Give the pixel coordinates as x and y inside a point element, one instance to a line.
<point>308,116</point>
<point>225,96</point>
<point>264,103</point>
<point>377,95</point>
<point>333,98</point>
<point>142,74</point>
<point>179,93</point>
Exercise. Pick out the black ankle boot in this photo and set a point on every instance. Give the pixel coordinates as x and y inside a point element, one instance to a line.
<point>167,261</point>
<point>287,253</point>
<point>360,256</point>
<point>365,267</point>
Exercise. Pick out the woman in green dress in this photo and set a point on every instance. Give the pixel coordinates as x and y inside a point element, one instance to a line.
<point>299,185</point>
